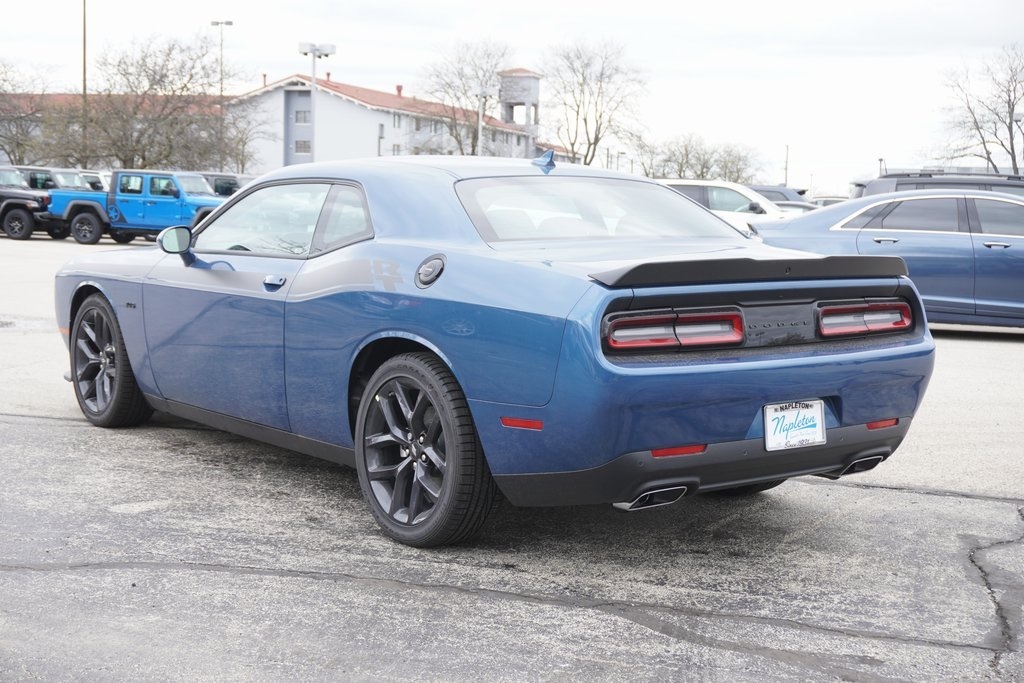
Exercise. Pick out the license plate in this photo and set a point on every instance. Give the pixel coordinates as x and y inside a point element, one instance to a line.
<point>794,425</point>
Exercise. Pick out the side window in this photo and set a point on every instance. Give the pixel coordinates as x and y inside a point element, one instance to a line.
<point>937,215</point>
<point>864,217</point>
<point>724,199</point>
<point>161,186</point>
<point>1000,218</point>
<point>130,184</point>
<point>345,220</point>
<point>278,220</point>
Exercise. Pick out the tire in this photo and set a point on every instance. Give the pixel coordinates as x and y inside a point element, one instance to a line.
<point>121,237</point>
<point>19,224</point>
<point>105,385</point>
<point>86,228</point>
<point>61,233</point>
<point>421,467</point>
<point>749,489</point>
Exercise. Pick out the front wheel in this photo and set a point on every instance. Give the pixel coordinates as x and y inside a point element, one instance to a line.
<point>104,382</point>
<point>420,463</point>
<point>86,228</point>
<point>59,233</point>
<point>19,224</point>
<point>121,237</point>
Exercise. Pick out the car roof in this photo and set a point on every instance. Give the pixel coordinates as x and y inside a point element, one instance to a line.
<point>457,167</point>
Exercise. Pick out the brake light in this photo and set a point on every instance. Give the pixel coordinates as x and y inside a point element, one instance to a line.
<point>651,330</point>
<point>866,318</point>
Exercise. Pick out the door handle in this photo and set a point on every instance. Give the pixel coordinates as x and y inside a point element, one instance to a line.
<point>274,280</point>
<point>1001,245</point>
<point>886,240</point>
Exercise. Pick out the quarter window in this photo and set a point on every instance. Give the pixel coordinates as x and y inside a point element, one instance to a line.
<point>1000,218</point>
<point>274,221</point>
<point>936,215</point>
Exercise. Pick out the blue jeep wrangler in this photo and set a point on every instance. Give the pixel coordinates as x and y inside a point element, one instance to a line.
<point>138,203</point>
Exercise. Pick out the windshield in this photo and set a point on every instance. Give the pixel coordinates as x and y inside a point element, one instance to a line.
<point>12,177</point>
<point>194,184</point>
<point>552,208</point>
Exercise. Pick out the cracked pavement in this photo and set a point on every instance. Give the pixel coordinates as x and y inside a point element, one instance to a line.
<point>174,552</point>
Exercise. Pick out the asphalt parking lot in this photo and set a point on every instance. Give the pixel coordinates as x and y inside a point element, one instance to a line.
<point>176,552</point>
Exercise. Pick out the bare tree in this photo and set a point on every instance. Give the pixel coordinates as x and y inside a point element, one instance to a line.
<point>22,109</point>
<point>736,164</point>
<point>465,82</point>
<point>594,91</point>
<point>155,108</point>
<point>987,118</point>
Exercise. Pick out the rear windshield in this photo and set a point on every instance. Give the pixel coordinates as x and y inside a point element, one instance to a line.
<point>558,208</point>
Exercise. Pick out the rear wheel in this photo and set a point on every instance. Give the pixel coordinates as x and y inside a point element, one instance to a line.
<point>19,224</point>
<point>86,228</point>
<point>104,383</point>
<point>420,463</point>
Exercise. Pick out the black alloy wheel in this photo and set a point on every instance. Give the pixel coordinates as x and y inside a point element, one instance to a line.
<point>420,463</point>
<point>105,385</point>
<point>19,224</point>
<point>86,228</point>
<point>59,233</point>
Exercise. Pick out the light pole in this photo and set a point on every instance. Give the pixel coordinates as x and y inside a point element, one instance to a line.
<point>315,52</point>
<point>220,102</point>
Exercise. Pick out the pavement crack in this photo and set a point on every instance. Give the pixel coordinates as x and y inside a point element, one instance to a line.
<point>659,618</point>
<point>943,493</point>
<point>992,586</point>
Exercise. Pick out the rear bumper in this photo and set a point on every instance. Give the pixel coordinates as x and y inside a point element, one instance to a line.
<point>721,466</point>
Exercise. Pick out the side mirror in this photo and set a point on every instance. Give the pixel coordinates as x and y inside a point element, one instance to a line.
<point>175,192</point>
<point>755,208</point>
<point>177,240</point>
<point>49,185</point>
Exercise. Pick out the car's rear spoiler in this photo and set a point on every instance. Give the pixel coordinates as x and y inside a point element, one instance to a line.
<point>750,270</point>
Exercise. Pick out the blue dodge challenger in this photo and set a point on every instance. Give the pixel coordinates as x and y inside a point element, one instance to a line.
<point>457,327</point>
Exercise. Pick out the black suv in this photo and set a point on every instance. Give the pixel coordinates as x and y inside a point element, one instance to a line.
<point>19,205</point>
<point>939,180</point>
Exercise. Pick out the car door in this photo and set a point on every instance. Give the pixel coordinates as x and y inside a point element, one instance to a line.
<point>997,227</point>
<point>932,236</point>
<point>215,327</point>
<point>130,202</point>
<point>162,202</point>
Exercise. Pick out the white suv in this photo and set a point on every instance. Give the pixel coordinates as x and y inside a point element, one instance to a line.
<point>736,203</point>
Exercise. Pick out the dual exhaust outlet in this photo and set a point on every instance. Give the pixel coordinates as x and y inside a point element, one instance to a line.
<point>667,496</point>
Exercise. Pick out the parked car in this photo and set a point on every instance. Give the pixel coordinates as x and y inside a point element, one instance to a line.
<point>898,181</point>
<point>736,203</point>
<point>778,193</point>
<point>139,203</point>
<point>795,207</point>
<point>453,327</point>
<point>225,184</point>
<point>827,199</point>
<point>20,204</point>
<point>964,249</point>
<point>66,187</point>
<point>97,180</point>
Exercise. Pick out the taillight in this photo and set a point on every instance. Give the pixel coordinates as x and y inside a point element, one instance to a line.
<point>864,318</point>
<point>671,329</point>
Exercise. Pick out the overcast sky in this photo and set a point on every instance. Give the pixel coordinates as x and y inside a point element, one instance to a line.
<point>840,84</point>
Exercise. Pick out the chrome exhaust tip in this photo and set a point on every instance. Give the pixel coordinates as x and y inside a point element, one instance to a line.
<point>652,499</point>
<point>862,465</point>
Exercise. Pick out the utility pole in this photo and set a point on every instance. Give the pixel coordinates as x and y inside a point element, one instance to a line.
<point>220,101</point>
